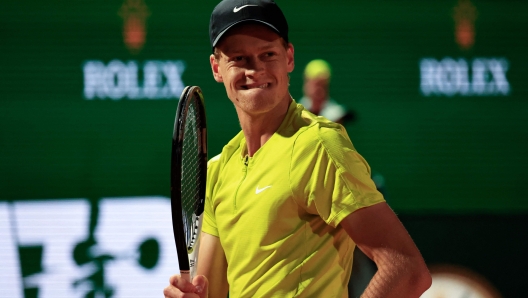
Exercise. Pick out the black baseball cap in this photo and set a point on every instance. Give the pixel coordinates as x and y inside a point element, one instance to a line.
<point>229,13</point>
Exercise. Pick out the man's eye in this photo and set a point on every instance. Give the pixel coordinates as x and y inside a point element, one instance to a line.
<point>238,58</point>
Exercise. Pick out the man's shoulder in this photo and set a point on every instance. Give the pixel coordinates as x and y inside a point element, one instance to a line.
<point>302,120</point>
<point>214,161</point>
<point>322,130</point>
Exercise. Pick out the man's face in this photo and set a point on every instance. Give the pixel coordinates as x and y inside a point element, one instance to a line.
<point>253,64</point>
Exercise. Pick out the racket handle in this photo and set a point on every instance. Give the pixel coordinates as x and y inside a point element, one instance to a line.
<point>186,274</point>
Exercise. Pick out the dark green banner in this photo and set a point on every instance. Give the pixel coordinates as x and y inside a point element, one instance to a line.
<point>89,91</point>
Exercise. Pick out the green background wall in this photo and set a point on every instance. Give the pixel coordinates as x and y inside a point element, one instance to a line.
<point>440,155</point>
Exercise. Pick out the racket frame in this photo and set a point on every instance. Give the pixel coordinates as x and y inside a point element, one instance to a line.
<point>187,255</point>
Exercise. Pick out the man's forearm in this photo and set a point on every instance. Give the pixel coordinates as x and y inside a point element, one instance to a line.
<point>403,278</point>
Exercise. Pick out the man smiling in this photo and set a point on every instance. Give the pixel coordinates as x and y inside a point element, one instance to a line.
<point>289,198</point>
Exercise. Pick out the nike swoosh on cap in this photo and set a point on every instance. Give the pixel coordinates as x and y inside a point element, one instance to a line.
<point>237,9</point>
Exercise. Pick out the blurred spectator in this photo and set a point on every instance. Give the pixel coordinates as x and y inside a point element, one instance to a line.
<point>316,91</point>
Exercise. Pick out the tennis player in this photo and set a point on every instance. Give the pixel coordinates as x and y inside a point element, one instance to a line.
<point>289,198</point>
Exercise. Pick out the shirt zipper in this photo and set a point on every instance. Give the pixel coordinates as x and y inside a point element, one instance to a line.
<point>244,170</point>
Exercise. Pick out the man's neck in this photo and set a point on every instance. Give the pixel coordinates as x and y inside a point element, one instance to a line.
<point>258,129</point>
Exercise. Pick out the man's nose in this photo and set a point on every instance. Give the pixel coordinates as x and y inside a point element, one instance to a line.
<point>255,66</point>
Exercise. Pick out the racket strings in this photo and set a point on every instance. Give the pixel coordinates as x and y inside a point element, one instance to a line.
<point>191,173</point>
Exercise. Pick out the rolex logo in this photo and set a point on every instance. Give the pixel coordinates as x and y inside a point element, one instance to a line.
<point>134,14</point>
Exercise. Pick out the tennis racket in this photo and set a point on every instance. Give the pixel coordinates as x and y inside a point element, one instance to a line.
<point>188,175</point>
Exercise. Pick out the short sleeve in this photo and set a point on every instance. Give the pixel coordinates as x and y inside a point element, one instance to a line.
<point>329,177</point>
<point>209,219</point>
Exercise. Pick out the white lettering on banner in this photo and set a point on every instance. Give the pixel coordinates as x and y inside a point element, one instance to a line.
<point>135,220</point>
<point>10,275</point>
<point>55,226</point>
<point>450,77</point>
<point>119,247</point>
<point>127,80</point>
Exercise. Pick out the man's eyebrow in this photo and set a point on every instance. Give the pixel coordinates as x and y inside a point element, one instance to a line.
<point>232,50</point>
<point>269,47</point>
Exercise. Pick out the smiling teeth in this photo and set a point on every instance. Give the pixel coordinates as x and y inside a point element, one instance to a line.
<point>263,86</point>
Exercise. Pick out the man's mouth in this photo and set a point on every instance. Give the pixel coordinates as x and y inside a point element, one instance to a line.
<point>262,86</point>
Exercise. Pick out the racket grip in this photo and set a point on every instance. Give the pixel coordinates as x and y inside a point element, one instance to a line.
<point>186,274</point>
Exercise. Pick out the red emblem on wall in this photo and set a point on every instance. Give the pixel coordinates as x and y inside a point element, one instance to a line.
<point>465,14</point>
<point>134,14</point>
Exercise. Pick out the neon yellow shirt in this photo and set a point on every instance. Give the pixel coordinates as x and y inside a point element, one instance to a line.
<point>277,213</point>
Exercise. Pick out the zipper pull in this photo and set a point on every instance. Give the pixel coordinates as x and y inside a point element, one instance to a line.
<point>246,160</point>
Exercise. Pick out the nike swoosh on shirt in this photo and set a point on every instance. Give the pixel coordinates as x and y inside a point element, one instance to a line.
<point>259,190</point>
<point>237,9</point>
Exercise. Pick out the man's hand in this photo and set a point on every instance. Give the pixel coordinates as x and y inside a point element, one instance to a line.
<point>180,288</point>
<point>211,273</point>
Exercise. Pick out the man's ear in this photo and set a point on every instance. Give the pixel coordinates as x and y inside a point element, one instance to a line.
<point>214,67</point>
<point>290,55</point>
